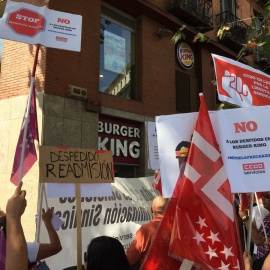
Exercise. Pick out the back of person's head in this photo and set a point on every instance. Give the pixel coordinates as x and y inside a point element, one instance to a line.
<point>105,253</point>
<point>159,206</point>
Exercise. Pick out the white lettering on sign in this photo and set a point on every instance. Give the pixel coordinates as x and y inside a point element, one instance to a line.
<point>25,18</point>
<point>119,147</point>
<point>115,129</point>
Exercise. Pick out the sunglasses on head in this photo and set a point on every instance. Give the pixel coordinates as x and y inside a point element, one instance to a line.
<point>266,196</point>
<point>85,257</point>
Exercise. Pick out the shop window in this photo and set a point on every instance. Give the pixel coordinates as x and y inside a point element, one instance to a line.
<point>117,74</point>
<point>187,92</point>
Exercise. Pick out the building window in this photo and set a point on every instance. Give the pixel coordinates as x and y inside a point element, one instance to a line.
<point>117,74</point>
<point>227,5</point>
<point>187,92</point>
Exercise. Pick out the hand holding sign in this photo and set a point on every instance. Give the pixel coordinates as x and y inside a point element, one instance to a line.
<point>235,88</point>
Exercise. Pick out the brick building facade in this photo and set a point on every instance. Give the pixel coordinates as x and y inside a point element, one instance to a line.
<point>136,82</point>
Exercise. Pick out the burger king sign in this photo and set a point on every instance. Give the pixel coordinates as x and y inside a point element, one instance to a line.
<point>185,55</point>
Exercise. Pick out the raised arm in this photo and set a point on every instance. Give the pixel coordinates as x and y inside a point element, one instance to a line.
<point>16,250</point>
<point>52,248</point>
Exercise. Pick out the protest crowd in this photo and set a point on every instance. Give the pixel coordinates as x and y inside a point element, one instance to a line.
<point>106,252</point>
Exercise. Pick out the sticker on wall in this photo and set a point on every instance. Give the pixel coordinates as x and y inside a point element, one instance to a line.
<point>185,55</point>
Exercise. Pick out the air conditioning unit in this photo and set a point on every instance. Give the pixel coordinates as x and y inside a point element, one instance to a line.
<point>77,92</point>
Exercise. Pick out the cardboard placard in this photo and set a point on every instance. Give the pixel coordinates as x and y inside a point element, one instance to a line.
<point>74,165</point>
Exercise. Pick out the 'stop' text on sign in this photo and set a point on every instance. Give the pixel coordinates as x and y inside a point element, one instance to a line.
<point>26,22</point>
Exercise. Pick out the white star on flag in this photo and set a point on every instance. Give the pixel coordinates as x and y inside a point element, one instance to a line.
<point>199,238</point>
<point>238,265</point>
<point>201,222</point>
<point>211,252</point>
<point>213,237</point>
<point>30,135</point>
<point>224,266</point>
<point>227,252</point>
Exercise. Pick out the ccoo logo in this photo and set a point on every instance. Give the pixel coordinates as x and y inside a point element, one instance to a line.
<point>253,166</point>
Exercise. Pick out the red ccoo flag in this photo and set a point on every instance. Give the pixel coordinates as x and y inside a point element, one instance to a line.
<point>30,156</point>
<point>204,229</point>
<point>157,182</point>
<point>158,258</point>
<point>245,199</point>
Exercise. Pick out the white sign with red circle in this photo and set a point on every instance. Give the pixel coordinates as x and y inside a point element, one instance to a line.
<point>39,25</point>
<point>185,55</point>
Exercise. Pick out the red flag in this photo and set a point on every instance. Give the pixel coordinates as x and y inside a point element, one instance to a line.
<point>245,199</point>
<point>158,258</point>
<point>157,182</point>
<point>204,229</point>
<point>30,155</point>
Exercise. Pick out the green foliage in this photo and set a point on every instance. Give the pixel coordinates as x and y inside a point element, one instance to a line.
<point>223,29</point>
<point>201,37</point>
<point>225,106</point>
<point>179,35</point>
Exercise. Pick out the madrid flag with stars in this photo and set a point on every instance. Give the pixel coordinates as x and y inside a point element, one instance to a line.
<point>30,156</point>
<point>204,229</point>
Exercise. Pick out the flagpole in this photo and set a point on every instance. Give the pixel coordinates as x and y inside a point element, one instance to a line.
<point>244,231</point>
<point>250,220</point>
<point>28,110</point>
<point>39,212</point>
<point>45,196</point>
<point>261,218</point>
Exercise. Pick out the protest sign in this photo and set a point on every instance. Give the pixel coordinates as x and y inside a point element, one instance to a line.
<point>242,135</point>
<point>152,145</point>
<point>39,25</point>
<point>172,130</point>
<point>118,216</point>
<point>240,84</point>
<point>244,140</point>
<point>73,165</point>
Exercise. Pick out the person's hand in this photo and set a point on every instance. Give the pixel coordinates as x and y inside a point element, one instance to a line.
<point>247,260</point>
<point>17,203</point>
<point>47,216</point>
<point>242,214</point>
<point>267,245</point>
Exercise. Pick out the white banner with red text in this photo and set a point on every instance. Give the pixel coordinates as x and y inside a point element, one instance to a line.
<point>240,84</point>
<point>243,136</point>
<point>39,25</point>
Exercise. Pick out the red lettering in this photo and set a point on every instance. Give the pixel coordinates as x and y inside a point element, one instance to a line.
<point>66,21</point>
<point>251,126</point>
<point>243,126</point>
<point>240,127</point>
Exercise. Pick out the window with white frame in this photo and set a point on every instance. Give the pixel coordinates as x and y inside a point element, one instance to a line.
<point>117,75</point>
